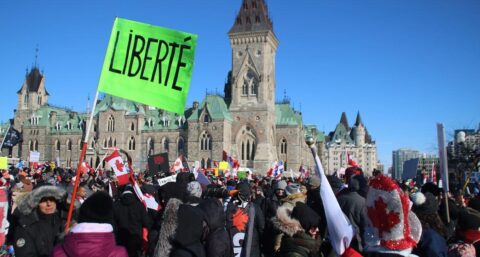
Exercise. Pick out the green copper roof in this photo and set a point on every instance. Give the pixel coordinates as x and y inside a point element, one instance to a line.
<point>118,104</point>
<point>68,121</point>
<point>216,108</point>
<point>341,135</point>
<point>158,119</point>
<point>287,116</point>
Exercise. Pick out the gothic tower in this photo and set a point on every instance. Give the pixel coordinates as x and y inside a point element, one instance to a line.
<point>33,93</point>
<point>252,86</point>
<point>359,131</point>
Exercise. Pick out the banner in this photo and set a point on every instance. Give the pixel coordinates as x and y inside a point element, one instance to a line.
<point>12,138</point>
<point>3,163</point>
<point>34,157</point>
<point>163,181</point>
<point>223,166</point>
<point>148,64</point>
<point>158,163</point>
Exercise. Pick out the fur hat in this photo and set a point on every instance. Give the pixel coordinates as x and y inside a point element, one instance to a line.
<point>98,208</point>
<point>194,189</point>
<point>314,181</point>
<point>390,222</point>
<point>280,185</point>
<point>31,201</point>
<point>307,217</point>
<point>293,188</point>
<point>424,203</point>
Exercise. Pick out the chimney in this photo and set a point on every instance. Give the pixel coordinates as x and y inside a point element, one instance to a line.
<point>195,105</point>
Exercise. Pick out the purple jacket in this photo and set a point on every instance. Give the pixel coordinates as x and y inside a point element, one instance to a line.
<point>85,241</point>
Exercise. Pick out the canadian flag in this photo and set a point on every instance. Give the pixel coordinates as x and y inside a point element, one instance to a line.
<point>350,161</point>
<point>178,165</point>
<point>121,171</point>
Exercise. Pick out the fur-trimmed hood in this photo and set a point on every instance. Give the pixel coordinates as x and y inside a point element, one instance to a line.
<point>292,199</point>
<point>32,199</point>
<point>285,223</point>
<point>168,229</point>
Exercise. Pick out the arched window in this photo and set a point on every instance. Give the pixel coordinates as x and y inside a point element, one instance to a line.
<point>114,142</point>
<point>39,100</point>
<point>110,124</point>
<point>58,126</point>
<point>283,146</point>
<point>25,100</point>
<point>245,88</point>
<point>92,144</point>
<point>110,142</point>
<point>250,83</point>
<point>57,145</point>
<point>205,141</point>
<point>131,143</point>
<point>80,144</point>
<point>132,127</point>
<point>150,146</point>
<point>105,143</point>
<point>247,144</point>
<point>206,118</point>
<point>180,146</point>
<point>69,145</point>
<point>30,145</point>
<point>165,143</point>
<point>35,145</point>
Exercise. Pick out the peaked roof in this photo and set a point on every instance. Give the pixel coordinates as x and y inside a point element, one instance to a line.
<point>344,121</point>
<point>117,103</point>
<point>215,106</point>
<point>358,121</point>
<point>253,16</point>
<point>33,81</point>
<point>287,116</point>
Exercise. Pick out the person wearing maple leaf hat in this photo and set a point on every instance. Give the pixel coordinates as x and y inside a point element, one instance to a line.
<point>392,228</point>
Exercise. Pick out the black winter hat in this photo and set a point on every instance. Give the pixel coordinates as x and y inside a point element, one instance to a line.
<point>431,188</point>
<point>424,203</point>
<point>307,217</point>
<point>469,218</point>
<point>98,208</point>
<point>244,191</point>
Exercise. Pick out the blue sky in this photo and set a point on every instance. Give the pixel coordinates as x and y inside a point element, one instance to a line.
<point>405,65</point>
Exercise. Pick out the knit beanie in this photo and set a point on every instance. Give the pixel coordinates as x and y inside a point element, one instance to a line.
<point>280,185</point>
<point>390,223</point>
<point>314,181</point>
<point>194,189</point>
<point>307,217</point>
<point>98,208</point>
<point>293,188</point>
<point>424,203</point>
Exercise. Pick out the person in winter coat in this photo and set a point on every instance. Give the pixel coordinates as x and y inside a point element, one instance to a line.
<point>301,231</point>
<point>468,229</point>
<point>93,235</point>
<point>432,243</point>
<point>217,241</point>
<point>244,216</point>
<point>269,207</point>
<point>183,226</point>
<point>38,223</point>
<point>353,206</point>
<point>130,218</point>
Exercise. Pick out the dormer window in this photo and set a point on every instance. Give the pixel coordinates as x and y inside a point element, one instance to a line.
<point>206,118</point>
<point>58,126</point>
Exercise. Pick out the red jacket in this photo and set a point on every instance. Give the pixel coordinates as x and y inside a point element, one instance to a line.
<point>91,241</point>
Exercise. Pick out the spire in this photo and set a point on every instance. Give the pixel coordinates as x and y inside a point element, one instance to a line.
<point>344,121</point>
<point>358,121</point>
<point>253,16</point>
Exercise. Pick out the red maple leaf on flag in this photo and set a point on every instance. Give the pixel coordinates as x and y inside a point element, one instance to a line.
<point>240,219</point>
<point>119,165</point>
<point>381,218</point>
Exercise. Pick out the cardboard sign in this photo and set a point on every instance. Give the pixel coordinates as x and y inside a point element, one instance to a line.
<point>163,181</point>
<point>3,163</point>
<point>223,166</point>
<point>148,64</point>
<point>158,163</point>
<point>34,157</point>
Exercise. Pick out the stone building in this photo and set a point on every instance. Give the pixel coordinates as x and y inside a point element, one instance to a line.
<point>356,141</point>
<point>246,121</point>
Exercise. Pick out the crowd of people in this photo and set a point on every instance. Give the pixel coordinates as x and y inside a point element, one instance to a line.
<point>226,217</point>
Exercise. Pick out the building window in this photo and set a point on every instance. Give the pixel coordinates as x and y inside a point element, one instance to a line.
<point>165,143</point>
<point>69,125</point>
<point>92,144</point>
<point>206,118</point>
<point>35,145</point>
<point>150,146</point>
<point>57,126</point>
<point>110,124</point>
<point>39,100</point>
<point>205,141</point>
<point>110,142</point>
<point>180,146</point>
<point>69,145</point>
<point>30,145</point>
<point>132,127</point>
<point>131,143</point>
<point>57,145</point>
<point>105,143</point>
<point>245,88</point>
<point>283,146</point>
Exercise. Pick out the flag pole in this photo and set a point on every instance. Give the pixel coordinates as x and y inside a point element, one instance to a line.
<point>80,161</point>
<point>442,156</point>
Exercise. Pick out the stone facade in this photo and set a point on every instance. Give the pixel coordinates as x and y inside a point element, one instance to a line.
<point>245,121</point>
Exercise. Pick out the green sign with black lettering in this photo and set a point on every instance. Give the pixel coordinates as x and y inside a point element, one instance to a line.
<point>148,64</point>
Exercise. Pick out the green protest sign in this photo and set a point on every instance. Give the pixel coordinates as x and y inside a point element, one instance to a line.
<point>148,64</point>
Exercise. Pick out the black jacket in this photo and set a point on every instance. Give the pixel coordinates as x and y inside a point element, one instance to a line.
<point>217,241</point>
<point>354,207</point>
<point>36,234</point>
